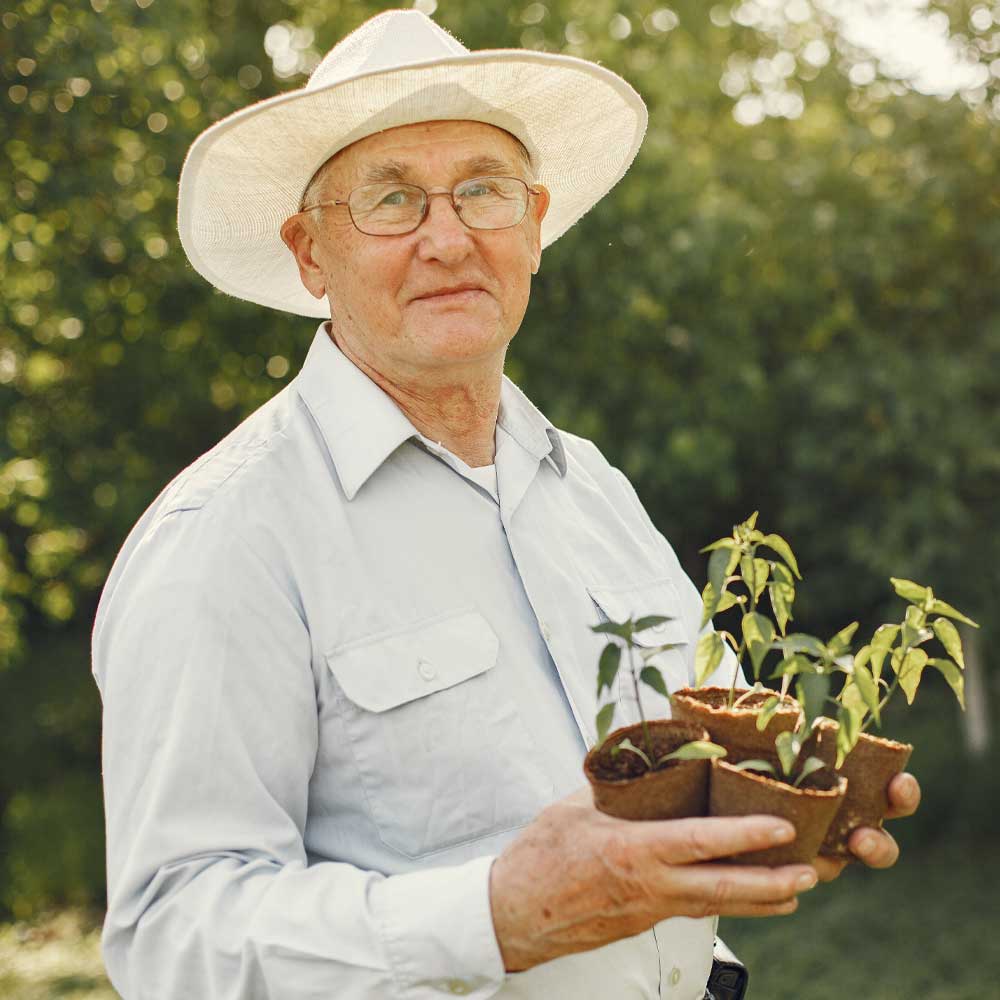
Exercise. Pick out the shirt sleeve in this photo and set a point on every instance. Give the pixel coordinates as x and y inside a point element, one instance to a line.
<point>203,658</point>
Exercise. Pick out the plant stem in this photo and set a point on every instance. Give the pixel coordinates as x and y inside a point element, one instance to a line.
<point>635,686</point>
<point>743,638</point>
<point>881,704</point>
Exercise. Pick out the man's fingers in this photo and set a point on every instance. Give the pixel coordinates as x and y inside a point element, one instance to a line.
<point>828,868</point>
<point>875,848</point>
<point>715,889</point>
<point>904,796</point>
<point>761,909</point>
<point>689,841</point>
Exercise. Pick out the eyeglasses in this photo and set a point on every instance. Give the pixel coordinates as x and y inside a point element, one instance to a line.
<point>394,209</point>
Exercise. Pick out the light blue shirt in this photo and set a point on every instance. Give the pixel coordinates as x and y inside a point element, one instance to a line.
<point>339,676</point>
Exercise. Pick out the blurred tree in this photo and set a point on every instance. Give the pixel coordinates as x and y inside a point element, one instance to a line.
<point>790,303</point>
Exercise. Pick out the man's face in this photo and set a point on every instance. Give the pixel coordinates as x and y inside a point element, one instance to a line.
<point>382,288</point>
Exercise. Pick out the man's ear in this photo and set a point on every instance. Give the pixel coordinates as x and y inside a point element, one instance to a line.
<point>539,206</point>
<point>297,236</point>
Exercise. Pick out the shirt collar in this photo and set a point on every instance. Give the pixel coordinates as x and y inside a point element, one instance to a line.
<point>360,423</point>
<point>527,425</point>
<point>362,426</point>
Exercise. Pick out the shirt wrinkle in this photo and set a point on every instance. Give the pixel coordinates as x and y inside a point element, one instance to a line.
<point>336,684</point>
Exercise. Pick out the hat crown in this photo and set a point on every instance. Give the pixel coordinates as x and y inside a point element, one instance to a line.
<point>387,41</point>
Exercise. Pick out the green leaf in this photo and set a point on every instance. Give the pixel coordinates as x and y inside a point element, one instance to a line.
<point>761,571</point>
<point>695,750</point>
<point>622,629</point>
<point>953,676</point>
<point>728,600</point>
<point>627,745</point>
<point>782,595</point>
<point>649,621</point>
<point>861,657</point>
<point>941,608</point>
<point>723,543</point>
<point>604,717</point>
<point>881,643</point>
<point>707,656</point>
<point>653,677</point>
<point>748,573</point>
<point>756,765</point>
<point>949,638</point>
<point>868,689</point>
<point>909,590</point>
<point>811,764</point>
<point>909,673</point>
<point>758,632</point>
<point>767,711</point>
<point>799,642</point>
<point>792,665</point>
<point>849,718</point>
<point>811,691</point>
<point>607,666</point>
<point>779,545</point>
<point>787,746</point>
<point>709,603</point>
<point>718,569</point>
<point>841,642</point>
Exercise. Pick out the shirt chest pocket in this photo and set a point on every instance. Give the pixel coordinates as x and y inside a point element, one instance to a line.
<point>657,597</point>
<point>442,753</point>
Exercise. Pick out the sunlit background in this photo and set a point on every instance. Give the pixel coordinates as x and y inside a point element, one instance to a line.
<point>791,303</point>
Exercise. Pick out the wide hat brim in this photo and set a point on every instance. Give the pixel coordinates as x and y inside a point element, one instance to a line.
<point>245,175</point>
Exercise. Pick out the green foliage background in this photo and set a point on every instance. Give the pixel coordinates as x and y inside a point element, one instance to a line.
<point>800,316</point>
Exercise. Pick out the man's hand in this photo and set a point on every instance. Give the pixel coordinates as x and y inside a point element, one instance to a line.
<point>576,879</point>
<point>876,848</point>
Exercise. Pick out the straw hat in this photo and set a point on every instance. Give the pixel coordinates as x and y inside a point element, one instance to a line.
<point>581,124</point>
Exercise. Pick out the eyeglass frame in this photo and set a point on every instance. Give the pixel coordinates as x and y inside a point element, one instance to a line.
<point>428,194</point>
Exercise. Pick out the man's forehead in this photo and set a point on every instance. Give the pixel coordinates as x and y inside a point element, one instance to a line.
<point>397,153</point>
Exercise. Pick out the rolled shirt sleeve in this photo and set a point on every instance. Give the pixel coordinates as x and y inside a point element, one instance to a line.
<point>202,654</point>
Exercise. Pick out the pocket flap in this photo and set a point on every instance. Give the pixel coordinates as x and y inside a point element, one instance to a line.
<point>635,601</point>
<point>387,670</point>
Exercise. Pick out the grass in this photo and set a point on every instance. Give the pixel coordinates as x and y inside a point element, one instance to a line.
<point>927,928</point>
<point>57,957</point>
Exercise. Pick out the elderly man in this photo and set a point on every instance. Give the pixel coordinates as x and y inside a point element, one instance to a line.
<point>345,658</point>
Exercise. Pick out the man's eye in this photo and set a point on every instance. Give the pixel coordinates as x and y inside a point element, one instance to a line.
<point>479,189</point>
<point>394,199</point>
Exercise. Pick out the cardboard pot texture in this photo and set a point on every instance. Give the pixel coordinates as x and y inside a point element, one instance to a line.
<point>809,810</point>
<point>869,768</point>
<point>735,729</point>
<point>673,792</point>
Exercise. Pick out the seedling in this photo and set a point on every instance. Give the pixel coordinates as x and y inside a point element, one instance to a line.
<point>622,639</point>
<point>866,691</point>
<point>735,562</point>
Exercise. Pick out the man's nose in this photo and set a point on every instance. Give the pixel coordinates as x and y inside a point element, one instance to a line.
<point>443,235</point>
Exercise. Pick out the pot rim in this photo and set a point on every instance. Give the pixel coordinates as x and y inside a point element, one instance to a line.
<point>672,766</point>
<point>815,793</point>
<point>886,741</point>
<point>789,705</point>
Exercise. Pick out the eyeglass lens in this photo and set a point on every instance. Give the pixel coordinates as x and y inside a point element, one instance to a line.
<point>481,203</point>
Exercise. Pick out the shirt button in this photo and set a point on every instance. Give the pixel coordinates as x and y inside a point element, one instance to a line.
<point>458,987</point>
<point>426,670</point>
<point>675,976</point>
<point>662,627</point>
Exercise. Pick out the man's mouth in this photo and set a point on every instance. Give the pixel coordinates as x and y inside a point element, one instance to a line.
<point>451,293</point>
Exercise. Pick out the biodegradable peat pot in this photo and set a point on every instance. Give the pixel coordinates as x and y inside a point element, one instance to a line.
<point>868,768</point>
<point>623,787</point>
<point>735,728</point>
<point>810,809</point>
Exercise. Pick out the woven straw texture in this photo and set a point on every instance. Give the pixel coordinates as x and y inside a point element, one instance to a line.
<point>581,124</point>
